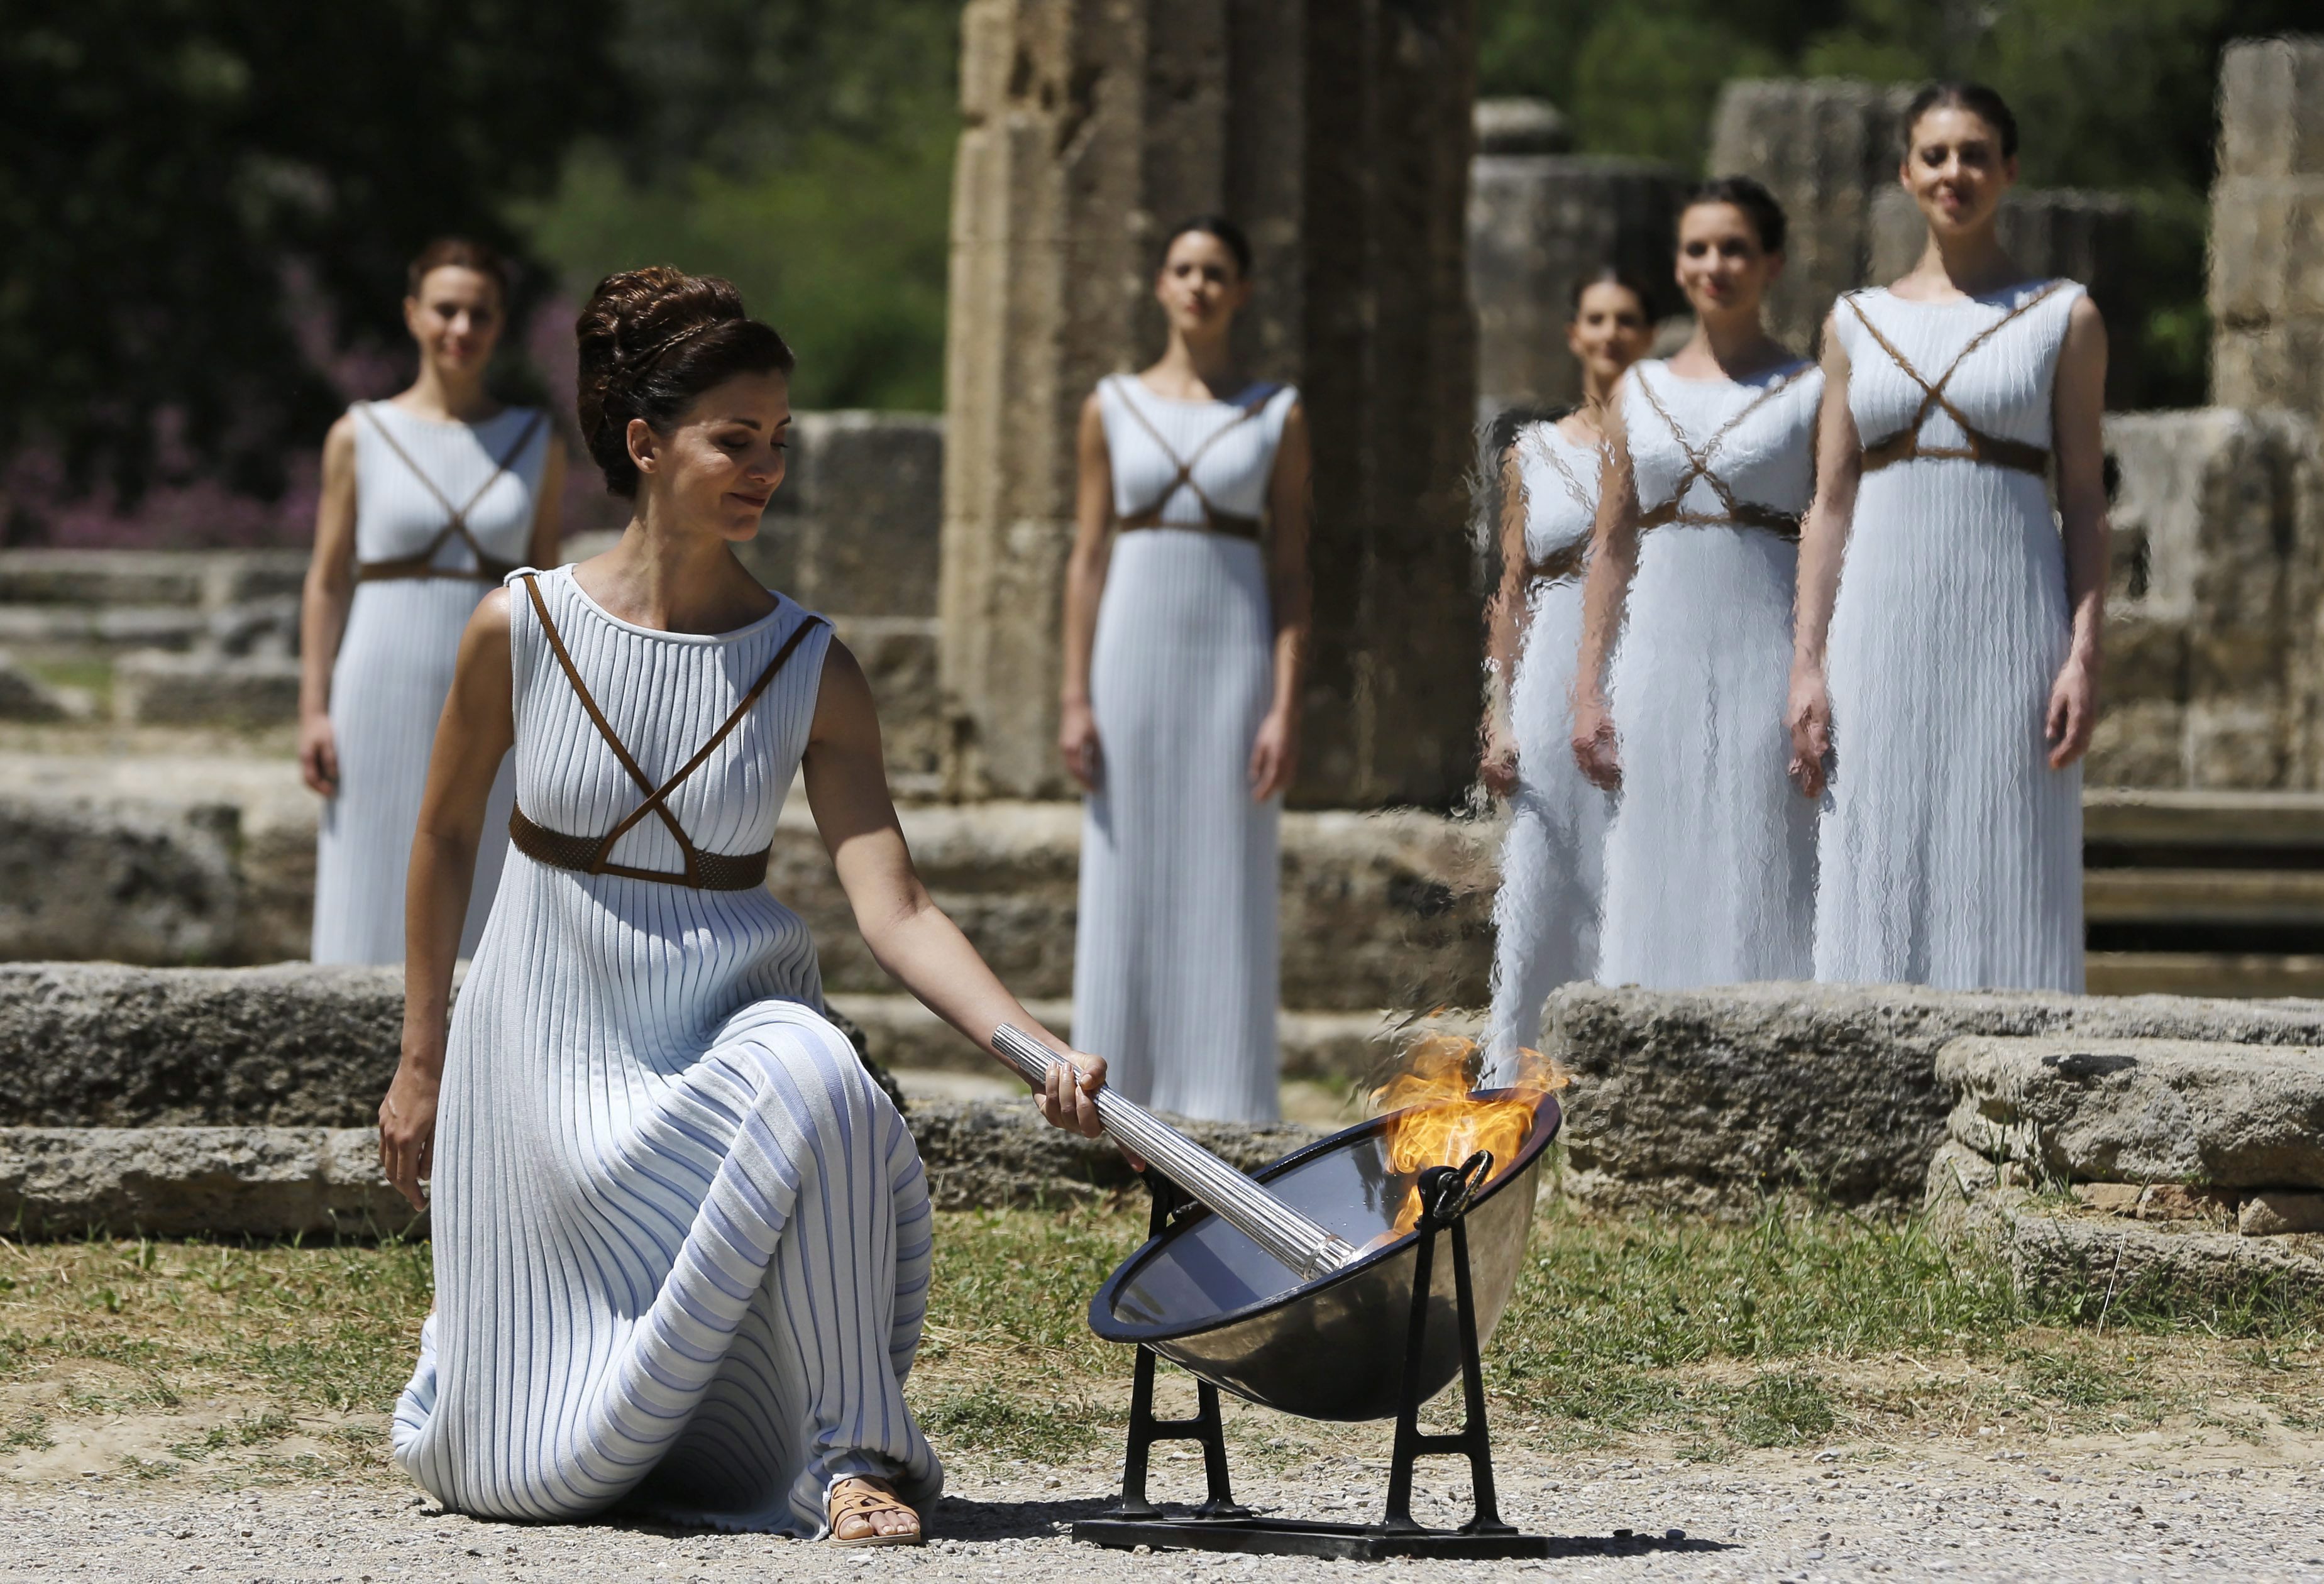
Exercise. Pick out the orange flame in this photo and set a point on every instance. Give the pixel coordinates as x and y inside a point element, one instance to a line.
<point>1443,1122</point>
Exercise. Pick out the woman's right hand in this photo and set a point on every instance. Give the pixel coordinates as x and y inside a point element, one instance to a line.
<point>319,755</point>
<point>1809,716</point>
<point>407,1129</point>
<point>1497,765</point>
<point>1077,740</point>
<point>1069,1100</point>
<point>1594,748</point>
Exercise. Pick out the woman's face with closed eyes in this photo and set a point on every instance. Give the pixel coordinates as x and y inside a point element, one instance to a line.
<point>716,468</point>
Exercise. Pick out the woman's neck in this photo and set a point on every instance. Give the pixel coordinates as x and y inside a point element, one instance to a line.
<point>1967,263</point>
<point>436,395</point>
<point>1194,369</point>
<point>1733,344</point>
<point>674,579</point>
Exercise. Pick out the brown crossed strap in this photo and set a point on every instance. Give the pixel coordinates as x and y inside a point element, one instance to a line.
<point>488,568</point>
<point>1904,445</point>
<point>704,872</point>
<point>1583,495</point>
<point>1560,564</point>
<point>1226,522</point>
<point>1738,514</point>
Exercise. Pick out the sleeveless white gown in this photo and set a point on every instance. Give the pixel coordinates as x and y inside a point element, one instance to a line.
<point>1553,861</point>
<point>1952,854</point>
<point>395,662</point>
<point>1175,961</point>
<point>1710,857</point>
<point>681,1237</point>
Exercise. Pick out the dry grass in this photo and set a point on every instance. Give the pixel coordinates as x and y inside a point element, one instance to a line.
<point>178,1360</point>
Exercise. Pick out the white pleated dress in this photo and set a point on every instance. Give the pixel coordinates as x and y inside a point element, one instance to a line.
<point>1952,851</point>
<point>1174,960</point>
<point>1711,856</point>
<point>1553,861</point>
<point>395,661</point>
<point>681,1237</point>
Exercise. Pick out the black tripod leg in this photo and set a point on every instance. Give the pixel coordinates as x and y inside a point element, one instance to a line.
<point>1407,1414</point>
<point>1212,1433</point>
<point>1140,1443</point>
<point>1476,1438</point>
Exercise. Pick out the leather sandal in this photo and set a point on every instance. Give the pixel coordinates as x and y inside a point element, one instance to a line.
<point>866,1498</point>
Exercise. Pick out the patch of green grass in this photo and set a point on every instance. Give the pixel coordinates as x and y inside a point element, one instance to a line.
<point>30,1433</point>
<point>251,1430</point>
<point>1781,1408</point>
<point>1017,1423</point>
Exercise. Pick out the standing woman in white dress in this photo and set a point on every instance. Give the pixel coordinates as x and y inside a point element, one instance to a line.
<point>681,1236</point>
<point>429,499</point>
<point>1185,620</point>
<point>1546,912</point>
<point>1946,680</point>
<point>1687,628</point>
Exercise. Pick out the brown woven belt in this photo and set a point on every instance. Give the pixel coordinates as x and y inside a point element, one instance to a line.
<point>488,570</point>
<point>1224,523</point>
<point>704,872</point>
<point>1560,564</point>
<point>1784,525</point>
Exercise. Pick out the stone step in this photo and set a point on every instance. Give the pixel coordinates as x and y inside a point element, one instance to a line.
<point>2204,973</point>
<point>200,580</point>
<point>2292,898</point>
<point>2129,820</point>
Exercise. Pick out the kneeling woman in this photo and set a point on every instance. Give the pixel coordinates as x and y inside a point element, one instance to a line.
<point>681,1237</point>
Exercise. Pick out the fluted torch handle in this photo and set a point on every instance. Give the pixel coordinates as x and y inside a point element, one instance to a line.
<point>1307,1248</point>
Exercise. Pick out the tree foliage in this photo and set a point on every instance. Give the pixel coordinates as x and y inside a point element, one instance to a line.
<point>205,199</point>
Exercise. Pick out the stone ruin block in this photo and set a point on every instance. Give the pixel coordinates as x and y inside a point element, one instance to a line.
<point>1826,147</point>
<point>1538,223</point>
<point>857,527</point>
<point>153,688</point>
<point>26,697</point>
<point>2267,227</point>
<point>128,880</point>
<point>201,580</point>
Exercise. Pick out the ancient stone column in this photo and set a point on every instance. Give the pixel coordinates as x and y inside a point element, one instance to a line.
<point>2267,227</point>
<point>1338,131</point>
<point>1539,221</point>
<point>1825,147</point>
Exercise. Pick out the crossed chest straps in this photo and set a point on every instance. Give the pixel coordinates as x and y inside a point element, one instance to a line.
<point>1738,514</point>
<point>1565,561</point>
<point>1904,445</point>
<point>1232,524</point>
<point>704,871</point>
<point>488,568</point>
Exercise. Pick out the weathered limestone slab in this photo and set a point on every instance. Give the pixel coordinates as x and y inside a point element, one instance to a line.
<point>26,697</point>
<point>1826,147</point>
<point>2267,227</point>
<point>289,1182</point>
<point>2211,639</point>
<point>101,1044</point>
<point>155,688</point>
<point>205,580</point>
<point>1539,223</point>
<point>2096,1264</point>
<point>155,882</point>
<point>857,527</point>
<point>1705,1099</point>
<point>1339,130</point>
<point>198,1182</point>
<point>2073,1109</point>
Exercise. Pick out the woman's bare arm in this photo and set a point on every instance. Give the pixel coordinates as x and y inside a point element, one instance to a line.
<point>1274,753</point>
<point>909,937</point>
<point>1824,548</point>
<point>329,590</point>
<point>548,510</point>
<point>2076,425</point>
<point>473,735</point>
<point>1504,613</point>
<point>1086,571</point>
<point>1613,565</point>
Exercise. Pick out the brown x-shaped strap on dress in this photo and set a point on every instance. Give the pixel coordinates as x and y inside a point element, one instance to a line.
<point>1904,445</point>
<point>1232,524</point>
<point>1567,561</point>
<point>1741,514</point>
<point>704,872</point>
<point>488,568</point>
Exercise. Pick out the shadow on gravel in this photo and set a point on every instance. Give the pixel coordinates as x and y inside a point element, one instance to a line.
<point>957,1518</point>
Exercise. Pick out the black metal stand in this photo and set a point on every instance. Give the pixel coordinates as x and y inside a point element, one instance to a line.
<point>1218,1525</point>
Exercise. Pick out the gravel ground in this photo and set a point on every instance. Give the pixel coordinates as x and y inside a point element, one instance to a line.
<point>2119,1511</point>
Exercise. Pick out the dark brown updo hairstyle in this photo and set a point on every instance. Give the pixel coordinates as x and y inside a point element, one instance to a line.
<point>458,253</point>
<point>1612,275</point>
<point>1217,226</point>
<point>652,341</point>
<point>1975,97</point>
<point>1757,204</point>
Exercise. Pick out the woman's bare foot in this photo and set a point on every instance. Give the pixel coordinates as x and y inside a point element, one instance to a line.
<point>868,1511</point>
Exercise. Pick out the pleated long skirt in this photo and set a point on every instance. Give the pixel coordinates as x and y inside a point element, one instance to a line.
<point>388,687</point>
<point>1176,973</point>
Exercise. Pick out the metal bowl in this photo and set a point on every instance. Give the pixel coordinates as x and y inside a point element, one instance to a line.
<point>1207,1298</point>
